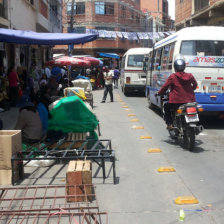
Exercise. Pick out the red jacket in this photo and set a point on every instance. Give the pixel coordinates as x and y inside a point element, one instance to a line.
<point>182,86</point>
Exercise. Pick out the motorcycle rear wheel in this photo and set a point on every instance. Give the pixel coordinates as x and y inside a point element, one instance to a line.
<point>189,138</point>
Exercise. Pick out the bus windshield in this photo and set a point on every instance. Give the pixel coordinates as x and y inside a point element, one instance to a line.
<point>135,60</point>
<point>202,48</point>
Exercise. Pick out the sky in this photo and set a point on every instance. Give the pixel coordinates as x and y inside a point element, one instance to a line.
<point>172,9</point>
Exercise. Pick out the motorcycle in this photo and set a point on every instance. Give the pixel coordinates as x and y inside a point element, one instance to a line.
<point>186,124</point>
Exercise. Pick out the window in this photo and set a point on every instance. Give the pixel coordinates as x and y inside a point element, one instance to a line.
<point>104,8</point>
<point>171,57</point>
<point>54,9</point>
<point>165,57</point>
<point>157,59</point>
<point>200,4</point>
<point>123,11</point>
<point>81,29</point>
<point>79,8</point>
<point>202,48</point>
<point>135,61</point>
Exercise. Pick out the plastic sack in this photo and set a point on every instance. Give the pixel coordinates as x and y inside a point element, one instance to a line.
<point>75,91</point>
<point>83,83</point>
<point>40,163</point>
<point>71,114</point>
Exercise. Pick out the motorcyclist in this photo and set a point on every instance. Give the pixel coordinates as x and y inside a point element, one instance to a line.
<point>181,86</point>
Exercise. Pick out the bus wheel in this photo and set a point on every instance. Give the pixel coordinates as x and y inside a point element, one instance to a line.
<point>151,105</point>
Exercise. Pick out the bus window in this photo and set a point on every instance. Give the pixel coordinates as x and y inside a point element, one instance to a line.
<point>165,57</point>
<point>157,60</point>
<point>171,57</point>
<point>135,61</point>
<point>202,48</point>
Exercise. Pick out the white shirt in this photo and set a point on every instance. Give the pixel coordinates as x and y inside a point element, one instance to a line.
<point>47,71</point>
<point>108,74</point>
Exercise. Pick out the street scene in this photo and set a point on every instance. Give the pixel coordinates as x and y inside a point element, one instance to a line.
<point>111,111</point>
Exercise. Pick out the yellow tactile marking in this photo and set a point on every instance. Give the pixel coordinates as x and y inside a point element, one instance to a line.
<point>186,200</point>
<point>131,115</point>
<point>146,137</point>
<point>134,120</point>
<point>125,106</point>
<point>166,169</point>
<point>152,150</point>
<point>137,127</point>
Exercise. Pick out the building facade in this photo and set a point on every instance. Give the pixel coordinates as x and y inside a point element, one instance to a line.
<point>159,11</point>
<point>106,18</point>
<point>34,15</point>
<point>199,12</point>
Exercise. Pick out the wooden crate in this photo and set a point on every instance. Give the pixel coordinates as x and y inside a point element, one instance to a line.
<point>79,173</point>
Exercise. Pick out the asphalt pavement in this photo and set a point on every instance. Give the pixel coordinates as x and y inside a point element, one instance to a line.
<point>141,194</point>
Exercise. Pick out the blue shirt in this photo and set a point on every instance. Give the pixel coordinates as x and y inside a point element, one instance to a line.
<point>43,116</point>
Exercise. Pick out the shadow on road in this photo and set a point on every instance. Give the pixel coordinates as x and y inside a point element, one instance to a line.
<point>212,122</point>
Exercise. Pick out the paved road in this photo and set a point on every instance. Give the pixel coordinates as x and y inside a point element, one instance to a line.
<point>145,196</point>
<point>142,195</point>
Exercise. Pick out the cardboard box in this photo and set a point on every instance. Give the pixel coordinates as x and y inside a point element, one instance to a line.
<point>6,176</point>
<point>10,143</point>
<point>78,176</point>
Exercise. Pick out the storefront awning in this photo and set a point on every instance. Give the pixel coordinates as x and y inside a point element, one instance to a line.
<point>30,37</point>
<point>109,55</point>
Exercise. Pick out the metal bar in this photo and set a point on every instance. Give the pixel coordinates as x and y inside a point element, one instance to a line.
<point>23,198</point>
<point>103,167</point>
<point>34,197</point>
<point>48,209</point>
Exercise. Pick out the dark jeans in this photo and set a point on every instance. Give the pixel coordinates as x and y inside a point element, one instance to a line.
<point>13,94</point>
<point>108,88</point>
<point>168,108</point>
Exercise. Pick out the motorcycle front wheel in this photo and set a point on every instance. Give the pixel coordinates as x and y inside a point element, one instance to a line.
<point>189,138</point>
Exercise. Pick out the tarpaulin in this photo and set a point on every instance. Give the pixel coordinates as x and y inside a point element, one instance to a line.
<point>30,37</point>
<point>71,114</point>
<point>109,55</point>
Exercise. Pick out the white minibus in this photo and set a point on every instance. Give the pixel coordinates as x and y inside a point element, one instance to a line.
<point>132,75</point>
<point>203,50</point>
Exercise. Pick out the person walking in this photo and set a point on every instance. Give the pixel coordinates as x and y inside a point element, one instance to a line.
<point>108,77</point>
<point>116,77</point>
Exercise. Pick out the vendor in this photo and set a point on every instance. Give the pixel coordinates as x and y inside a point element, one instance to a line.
<point>29,121</point>
<point>42,110</point>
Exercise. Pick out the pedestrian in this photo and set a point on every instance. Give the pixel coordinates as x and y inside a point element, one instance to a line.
<point>116,77</point>
<point>46,70</point>
<point>108,77</point>
<point>13,86</point>
<point>29,121</point>
<point>42,110</point>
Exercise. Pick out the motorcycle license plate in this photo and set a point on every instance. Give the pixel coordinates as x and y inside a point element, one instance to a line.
<point>191,118</point>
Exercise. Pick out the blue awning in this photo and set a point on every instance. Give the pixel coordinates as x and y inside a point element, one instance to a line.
<point>109,55</point>
<point>30,37</point>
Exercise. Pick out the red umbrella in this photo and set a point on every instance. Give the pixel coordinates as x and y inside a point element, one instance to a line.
<point>69,61</point>
<point>92,60</point>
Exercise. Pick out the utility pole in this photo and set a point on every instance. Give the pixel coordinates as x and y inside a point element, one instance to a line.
<point>70,47</point>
